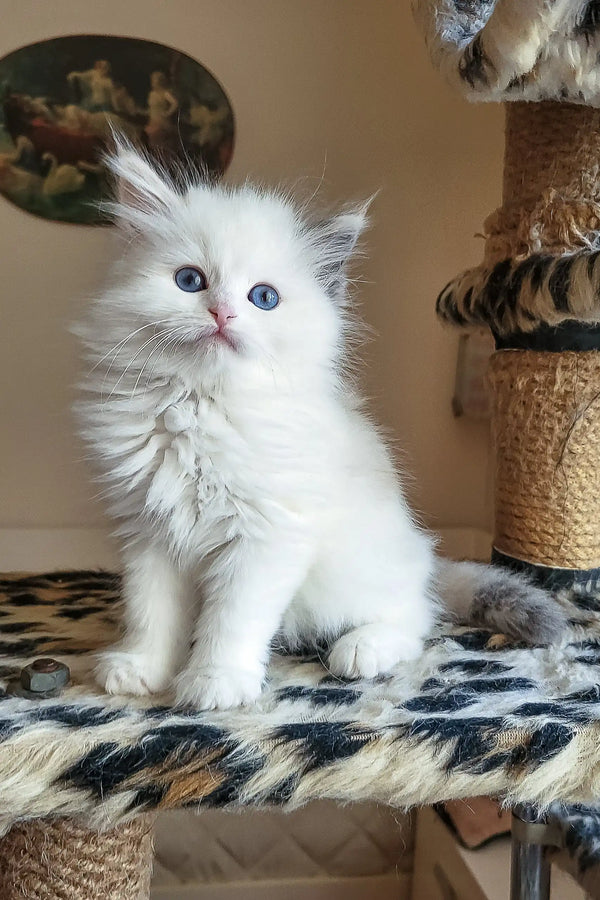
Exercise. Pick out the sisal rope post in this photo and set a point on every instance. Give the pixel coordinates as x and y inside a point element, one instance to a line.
<point>551,184</point>
<point>546,419</point>
<point>56,859</point>
<point>546,405</point>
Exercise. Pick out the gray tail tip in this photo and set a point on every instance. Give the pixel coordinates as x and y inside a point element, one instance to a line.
<point>519,609</point>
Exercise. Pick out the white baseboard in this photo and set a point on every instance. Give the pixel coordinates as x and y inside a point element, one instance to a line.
<point>45,549</point>
<point>380,887</point>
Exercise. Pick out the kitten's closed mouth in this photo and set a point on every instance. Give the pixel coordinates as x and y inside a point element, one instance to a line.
<point>221,337</point>
<point>212,338</point>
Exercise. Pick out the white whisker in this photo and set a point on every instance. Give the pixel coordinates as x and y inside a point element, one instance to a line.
<point>173,343</point>
<point>169,334</point>
<point>131,362</point>
<point>122,343</point>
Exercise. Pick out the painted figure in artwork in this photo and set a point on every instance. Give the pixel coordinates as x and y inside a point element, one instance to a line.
<point>96,86</point>
<point>161,107</point>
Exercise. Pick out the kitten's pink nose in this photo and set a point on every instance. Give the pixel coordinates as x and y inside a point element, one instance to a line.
<point>221,314</point>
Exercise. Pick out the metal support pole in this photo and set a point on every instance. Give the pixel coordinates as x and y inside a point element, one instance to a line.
<point>530,867</point>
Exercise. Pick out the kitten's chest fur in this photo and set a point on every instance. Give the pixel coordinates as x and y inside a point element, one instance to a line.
<point>212,469</point>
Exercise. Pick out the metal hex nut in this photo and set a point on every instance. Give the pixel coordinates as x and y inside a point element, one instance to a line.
<point>45,675</point>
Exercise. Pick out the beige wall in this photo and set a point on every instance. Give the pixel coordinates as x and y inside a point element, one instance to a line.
<point>337,85</point>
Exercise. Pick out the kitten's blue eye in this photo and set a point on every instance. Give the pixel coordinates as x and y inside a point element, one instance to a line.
<point>263,296</point>
<point>190,279</point>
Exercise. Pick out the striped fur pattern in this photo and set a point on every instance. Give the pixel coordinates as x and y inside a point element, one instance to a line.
<point>521,295</point>
<point>507,50</point>
<point>475,714</point>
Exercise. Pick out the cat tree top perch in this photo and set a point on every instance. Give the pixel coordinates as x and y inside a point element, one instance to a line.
<point>474,715</point>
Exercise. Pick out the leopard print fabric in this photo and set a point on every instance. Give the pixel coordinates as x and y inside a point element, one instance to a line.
<point>475,715</point>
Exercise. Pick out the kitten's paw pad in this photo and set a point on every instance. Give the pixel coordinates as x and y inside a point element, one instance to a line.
<point>371,650</point>
<point>129,672</point>
<point>219,688</point>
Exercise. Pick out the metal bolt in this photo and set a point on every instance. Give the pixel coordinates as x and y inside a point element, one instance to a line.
<point>44,677</point>
<point>45,665</point>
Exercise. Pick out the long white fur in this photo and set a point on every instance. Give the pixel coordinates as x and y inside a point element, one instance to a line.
<point>254,495</point>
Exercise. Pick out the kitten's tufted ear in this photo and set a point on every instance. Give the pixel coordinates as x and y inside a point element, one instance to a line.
<point>143,189</point>
<point>336,240</point>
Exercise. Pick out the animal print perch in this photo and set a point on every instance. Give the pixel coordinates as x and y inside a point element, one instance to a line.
<point>520,295</point>
<point>474,715</point>
<point>515,49</point>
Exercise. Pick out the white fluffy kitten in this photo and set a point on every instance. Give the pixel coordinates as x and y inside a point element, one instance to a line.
<point>255,498</point>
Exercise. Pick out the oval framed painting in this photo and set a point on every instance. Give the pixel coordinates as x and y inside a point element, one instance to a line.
<point>61,99</point>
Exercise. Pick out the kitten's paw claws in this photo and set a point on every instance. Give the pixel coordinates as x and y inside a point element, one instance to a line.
<point>371,650</point>
<point>129,672</point>
<point>218,688</point>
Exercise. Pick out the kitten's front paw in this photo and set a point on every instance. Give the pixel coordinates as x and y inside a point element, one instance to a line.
<point>130,672</point>
<point>218,688</point>
<point>371,650</point>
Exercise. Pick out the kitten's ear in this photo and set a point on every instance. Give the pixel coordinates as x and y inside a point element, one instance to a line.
<point>143,190</point>
<point>337,238</point>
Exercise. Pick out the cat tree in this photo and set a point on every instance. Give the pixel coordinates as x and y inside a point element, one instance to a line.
<point>537,287</point>
<point>474,715</point>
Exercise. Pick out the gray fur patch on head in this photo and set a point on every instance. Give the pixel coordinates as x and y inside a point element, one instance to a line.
<point>510,604</point>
